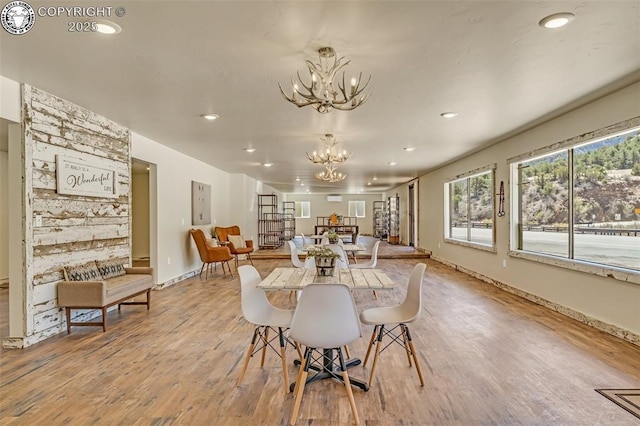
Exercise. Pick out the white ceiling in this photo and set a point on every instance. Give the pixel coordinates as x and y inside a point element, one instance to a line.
<point>487,60</point>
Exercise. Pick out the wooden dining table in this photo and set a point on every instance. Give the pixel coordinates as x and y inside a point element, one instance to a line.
<point>298,278</point>
<point>356,279</point>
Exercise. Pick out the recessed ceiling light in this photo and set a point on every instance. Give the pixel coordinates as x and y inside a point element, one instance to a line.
<point>392,163</point>
<point>107,27</point>
<point>409,148</point>
<point>210,116</point>
<point>449,114</point>
<point>297,179</point>
<point>556,20</point>
<point>368,183</point>
<point>301,183</point>
<point>375,178</point>
<point>250,149</point>
<point>267,164</point>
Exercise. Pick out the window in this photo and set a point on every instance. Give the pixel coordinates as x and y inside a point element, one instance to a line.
<point>303,209</point>
<point>469,207</point>
<point>582,202</point>
<point>356,208</point>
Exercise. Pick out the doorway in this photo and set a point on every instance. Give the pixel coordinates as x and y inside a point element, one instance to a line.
<point>140,213</point>
<point>413,214</point>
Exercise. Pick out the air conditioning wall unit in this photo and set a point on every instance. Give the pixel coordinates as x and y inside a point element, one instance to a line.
<point>334,198</point>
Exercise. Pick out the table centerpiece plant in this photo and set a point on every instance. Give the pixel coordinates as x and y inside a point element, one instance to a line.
<point>325,260</point>
<point>332,235</point>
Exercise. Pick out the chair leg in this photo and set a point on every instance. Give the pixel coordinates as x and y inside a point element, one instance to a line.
<point>202,269</point>
<point>415,356</point>
<point>248,355</point>
<point>302,379</point>
<point>298,350</point>
<point>371,342</point>
<point>347,386</point>
<point>265,340</point>
<point>346,352</point>
<point>375,294</point>
<point>303,362</point>
<point>250,259</point>
<point>284,359</point>
<point>377,354</point>
<point>406,345</point>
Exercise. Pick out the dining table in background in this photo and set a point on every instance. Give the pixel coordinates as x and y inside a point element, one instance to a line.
<point>350,249</point>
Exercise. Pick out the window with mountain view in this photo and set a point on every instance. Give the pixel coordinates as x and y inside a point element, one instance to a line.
<point>583,202</point>
<point>470,208</point>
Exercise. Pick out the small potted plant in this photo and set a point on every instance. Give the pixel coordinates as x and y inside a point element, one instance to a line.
<point>332,235</point>
<point>325,259</point>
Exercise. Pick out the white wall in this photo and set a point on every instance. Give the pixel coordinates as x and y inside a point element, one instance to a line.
<point>605,299</point>
<point>320,207</point>
<point>243,204</point>
<point>10,100</point>
<point>176,254</point>
<point>4,217</point>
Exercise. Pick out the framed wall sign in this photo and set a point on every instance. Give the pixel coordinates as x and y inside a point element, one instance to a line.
<point>79,177</point>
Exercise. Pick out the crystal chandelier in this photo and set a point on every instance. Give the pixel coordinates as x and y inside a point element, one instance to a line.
<point>328,156</point>
<point>321,93</point>
<point>329,174</point>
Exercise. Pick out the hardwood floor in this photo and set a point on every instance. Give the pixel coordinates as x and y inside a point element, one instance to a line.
<point>488,358</point>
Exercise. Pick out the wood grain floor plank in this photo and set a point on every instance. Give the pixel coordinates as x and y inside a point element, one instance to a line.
<point>488,357</point>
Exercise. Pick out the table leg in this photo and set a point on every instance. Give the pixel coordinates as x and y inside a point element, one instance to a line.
<point>328,371</point>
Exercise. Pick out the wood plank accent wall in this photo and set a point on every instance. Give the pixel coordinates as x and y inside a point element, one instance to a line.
<point>75,229</point>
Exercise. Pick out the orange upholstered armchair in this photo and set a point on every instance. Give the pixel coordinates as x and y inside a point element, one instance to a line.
<point>209,254</point>
<point>236,243</point>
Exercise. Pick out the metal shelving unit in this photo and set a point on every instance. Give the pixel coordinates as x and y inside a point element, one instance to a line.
<point>393,208</point>
<point>270,222</point>
<point>289,217</point>
<point>380,220</point>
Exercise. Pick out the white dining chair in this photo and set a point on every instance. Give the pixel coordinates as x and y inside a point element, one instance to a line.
<point>257,309</point>
<point>325,319</point>
<point>387,320</point>
<point>341,262</point>
<point>294,255</point>
<point>309,262</point>
<point>370,264</point>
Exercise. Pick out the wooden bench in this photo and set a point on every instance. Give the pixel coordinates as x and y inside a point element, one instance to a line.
<point>102,294</point>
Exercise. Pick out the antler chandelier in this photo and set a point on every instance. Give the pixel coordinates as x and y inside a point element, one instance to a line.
<point>320,93</point>
<point>330,175</point>
<point>328,156</point>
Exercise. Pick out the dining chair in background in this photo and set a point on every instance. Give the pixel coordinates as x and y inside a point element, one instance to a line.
<point>257,309</point>
<point>309,262</point>
<point>370,264</point>
<point>387,321</point>
<point>319,332</point>
<point>341,262</point>
<point>295,259</point>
